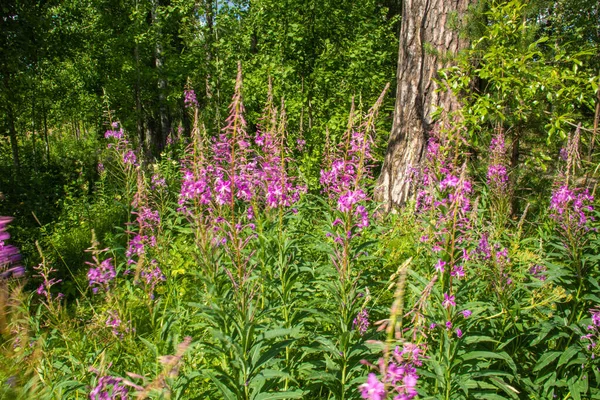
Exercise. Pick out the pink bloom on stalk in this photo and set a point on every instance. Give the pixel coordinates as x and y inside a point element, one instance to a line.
<point>459,333</point>
<point>410,351</point>
<point>448,301</point>
<point>466,313</point>
<point>102,275</point>
<point>596,317</point>
<point>361,322</point>
<point>109,388</point>
<point>363,214</point>
<point>497,175</point>
<point>440,266</point>
<point>190,99</point>
<point>129,157</point>
<point>449,181</point>
<point>223,191</point>
<point>395,373</point>
<point>300,144</point>
<point>571,208</point>
<point>349,199</point>
<point>538,271</point>
<point>158,182</point>
<point>373,389</point>
<point>114,133</point>
<point>410,385</point>
<point>458,272</point>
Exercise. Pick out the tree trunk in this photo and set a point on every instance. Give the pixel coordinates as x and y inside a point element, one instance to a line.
<point>429,38</point>
<point>161,134</point>
<point>138,102</point>
<point>14,144</point>
<point>47,142</point>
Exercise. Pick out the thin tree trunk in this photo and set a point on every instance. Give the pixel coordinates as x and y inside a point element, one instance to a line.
<point>138,101</point>
<point>33,138</point>
<point>14,144</point>
<point>45,112</point>
<point>162,133</point>
<point>428,39</point>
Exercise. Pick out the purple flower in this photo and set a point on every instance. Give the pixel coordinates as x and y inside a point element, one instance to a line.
<point>440,266</point>
<point>152,277</point>
<point>129,157</point>
<point>538,272</point>
<point>114,134</point>
<point>361,322</point>
<point>373,389</point>
<point>147,216</point>
<point>109,388</point>
<point>595,316</point>
<point>497,175</point>
<point>466,313</point>
<point>347,200</point>
<point>102,275</point>
<point>448,301</point>
<point>449,181</point>
<point>190,98</point>
<point>458,272</point>
<point>158,182</point>
<point>459,333</point>
<point>571,208</point>
<point>9,254</point>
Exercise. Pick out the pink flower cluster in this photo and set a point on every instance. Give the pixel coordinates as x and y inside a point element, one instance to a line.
<point>497,175</point>
<point>593,335</point>
<point>190,98</point>
<point>233,170</point>
<point>109,388</point>
<point>9,254</point>
<point>102,275</point>
<point>571,208</point>
<point>361,322</point>
<point>400,375</point>
<point>343,180</point>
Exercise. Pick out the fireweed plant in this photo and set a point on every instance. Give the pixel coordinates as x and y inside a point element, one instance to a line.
<point>344,183</point>
<point>236,193</point>
<point>569,364</point>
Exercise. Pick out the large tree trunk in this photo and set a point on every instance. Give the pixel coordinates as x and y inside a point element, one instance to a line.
<point>429,38</point>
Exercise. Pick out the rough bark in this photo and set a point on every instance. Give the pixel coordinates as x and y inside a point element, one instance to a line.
<point>429,38</point>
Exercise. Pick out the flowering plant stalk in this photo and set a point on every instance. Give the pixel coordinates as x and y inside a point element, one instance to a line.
<point>344,183</point>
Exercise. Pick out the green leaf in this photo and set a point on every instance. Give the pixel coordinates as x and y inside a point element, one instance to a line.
<point>546,359</point>
<point>296,394</point>
<point>567,355</point>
